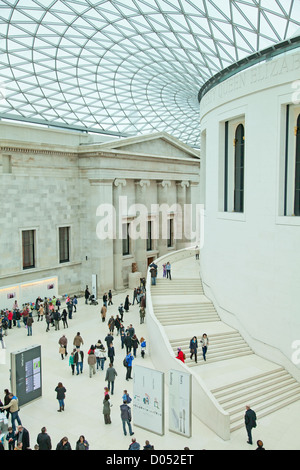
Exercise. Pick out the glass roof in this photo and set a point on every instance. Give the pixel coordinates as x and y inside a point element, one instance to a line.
<point>127,67</point>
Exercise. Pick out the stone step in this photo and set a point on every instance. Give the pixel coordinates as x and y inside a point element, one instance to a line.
<point>263,408</point>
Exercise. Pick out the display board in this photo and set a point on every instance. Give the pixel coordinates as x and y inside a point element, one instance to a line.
<point>148,399</point>
<point>26,374</point>
<point>180,402</point>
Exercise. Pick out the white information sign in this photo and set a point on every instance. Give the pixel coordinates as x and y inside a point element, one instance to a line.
<point>180,402</point>
<point>148,399</point>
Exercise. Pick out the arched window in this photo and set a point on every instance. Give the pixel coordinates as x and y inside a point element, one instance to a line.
<point>297,170</point>
<point>239,154</point>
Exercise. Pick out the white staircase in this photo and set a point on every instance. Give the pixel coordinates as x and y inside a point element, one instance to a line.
<point>223,346</point>
<point>182,313</point>
<point>181,306</point>
<point>266,393</point>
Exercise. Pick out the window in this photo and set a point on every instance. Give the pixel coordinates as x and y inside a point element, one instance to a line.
<point>232,166</point>
<point>291,167</point>
<point>297,169</point>
<point>149,238</point>
<point>126,240</point>
<point>170,232</point>
<point>64,244</point>
<point>28,248</point>
<point>239,143</point>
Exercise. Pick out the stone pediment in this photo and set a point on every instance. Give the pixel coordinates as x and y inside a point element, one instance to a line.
<point>160,144</point>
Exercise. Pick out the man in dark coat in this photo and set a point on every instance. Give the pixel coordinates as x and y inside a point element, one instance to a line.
<point>22,435</point>
<point>44,440</point>
<point>250,422</point>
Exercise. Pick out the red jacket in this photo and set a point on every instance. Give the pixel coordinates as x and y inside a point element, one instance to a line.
<point>180,356</point>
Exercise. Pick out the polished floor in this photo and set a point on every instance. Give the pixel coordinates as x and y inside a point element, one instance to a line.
<point>83,404</point>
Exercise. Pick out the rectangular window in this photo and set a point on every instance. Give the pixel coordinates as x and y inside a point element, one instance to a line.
<point>170,232</point>
<point>28,249</point>
<point>64,244</point>
<point>291,167</point>
<point>126,240</point>
<point>149,238</point>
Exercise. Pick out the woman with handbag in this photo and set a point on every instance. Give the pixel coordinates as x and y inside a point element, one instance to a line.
<point>63,346</point>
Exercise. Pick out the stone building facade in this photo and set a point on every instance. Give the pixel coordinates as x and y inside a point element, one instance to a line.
<point>57,190</point>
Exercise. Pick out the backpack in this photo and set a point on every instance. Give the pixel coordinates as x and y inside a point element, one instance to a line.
<point>125,362</point>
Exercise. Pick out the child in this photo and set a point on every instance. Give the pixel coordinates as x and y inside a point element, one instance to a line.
<point>106,391</point>
<point>143,347</point>
<point>11,438</point>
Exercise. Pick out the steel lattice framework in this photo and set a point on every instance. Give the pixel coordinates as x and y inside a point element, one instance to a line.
<point>127,67</point>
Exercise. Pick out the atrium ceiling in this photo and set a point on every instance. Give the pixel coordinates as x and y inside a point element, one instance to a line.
<point>127,67</point>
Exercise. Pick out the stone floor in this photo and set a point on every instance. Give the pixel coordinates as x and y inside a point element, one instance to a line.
<point>83,404</point>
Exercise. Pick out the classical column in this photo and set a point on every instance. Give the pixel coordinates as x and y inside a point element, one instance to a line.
<point>182,200</point>
<point>99,230</point>
<point>118,186</point>
<point>142,200</point>
<point>163,199</point>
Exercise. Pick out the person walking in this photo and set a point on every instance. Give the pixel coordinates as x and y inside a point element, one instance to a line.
<point>111,353</point>
<point>128,361</point>
<point>44,440</point>
<point>250,423</point>
<point>64,317</point>
<point>63,342</point>
<point>126,418</point>
<point>78,360</point>
<point>153,272</point>
<point>128,342</point>
<point>60,396</point>
<point>56,318</point>
<point>108,339</point>
<point>103,313</point>
<point>110,302</point>
<point>92,363</point>
<point>78,341</point>
<point>111,325</point>
<point>204,344</point>
<point>135,344</point>
<point>111,374</point>
<point>142,315</point>
<point>106,409</point>
<point>121,311</point>
<point>71,361</point>
<point>194,348</point>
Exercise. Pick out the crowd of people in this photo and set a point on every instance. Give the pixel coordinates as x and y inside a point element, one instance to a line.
<point>54,312</point>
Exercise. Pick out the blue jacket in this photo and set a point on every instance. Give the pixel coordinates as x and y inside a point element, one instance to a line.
<point>129,359</point>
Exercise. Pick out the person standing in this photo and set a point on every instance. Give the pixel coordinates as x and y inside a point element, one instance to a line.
<point>134,445</point>
<point>71,361</point>
<point>64,444</point>
<point>22,436</point>
<point>111,374</point>
<point>75,302</point>
<point>82,444</point>
<point>127,303</point>
<point>142,315</point>
<point>86,294</point>
<point>60,396</point>
<point>135,344</point>
<point>92,363</point>
<point>111,324</point>
<point>44,440</point>
<point>13,406</point>
<point>29,325</point>
<point>250,423</point>
<point>128,360</point>
<point>64,317</point>
<point>104,298</point>
<point>153,272</point>
<point>78,360</point>
<point>194,348</point>
<point>121,311</point>
<point>168,271</point>
<point>126,418</point>
<point>128,342</point>
<point>106,409</point>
